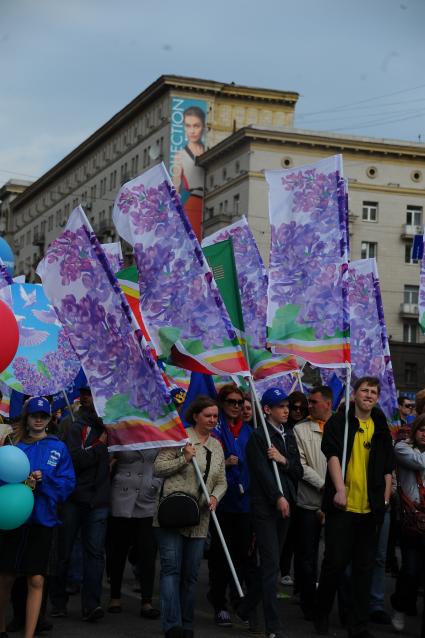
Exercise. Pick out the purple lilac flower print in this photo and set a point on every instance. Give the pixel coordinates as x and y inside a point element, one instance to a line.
<point>97,320</point>
<point>252,278</point>
<point>176,287</point>
<point>309,251</point>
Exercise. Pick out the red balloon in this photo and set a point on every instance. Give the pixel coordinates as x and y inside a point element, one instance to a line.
<point>9,336</point>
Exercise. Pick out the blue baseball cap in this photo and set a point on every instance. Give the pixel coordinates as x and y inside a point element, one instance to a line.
<point>273,396</point>
<point>38,404</point>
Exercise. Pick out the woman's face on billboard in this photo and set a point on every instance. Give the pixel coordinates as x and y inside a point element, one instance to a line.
<point>193,128</point>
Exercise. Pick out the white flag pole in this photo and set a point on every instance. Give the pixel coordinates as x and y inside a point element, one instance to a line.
<point>68,405</point>
<point>347,407</point>
<point>265,428</point>
<point>218,528</point>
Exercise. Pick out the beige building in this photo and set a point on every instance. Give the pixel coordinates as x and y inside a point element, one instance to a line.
<point>249,130</point>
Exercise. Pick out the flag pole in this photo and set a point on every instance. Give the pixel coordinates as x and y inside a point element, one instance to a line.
<point>218,528</point>
<point>253,402</point>
<point>68,405</point>
<point>347,407</point>
<point>266,431</point>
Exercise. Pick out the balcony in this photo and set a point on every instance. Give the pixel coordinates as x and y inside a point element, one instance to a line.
<point>409,231</point>
<point>409,310</point>
<point>39,240</point>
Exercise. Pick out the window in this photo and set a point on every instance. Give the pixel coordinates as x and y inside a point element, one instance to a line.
<point>237,166</point>
<point>410,373</point>
<point>112,180</point>
<point>408,253</point>
<point>135,165</point>
<point>210,212</point>
<point>224,173</point>
<point>43,228</point>
<point>414,216</point>
<point>220,208</point>
<point>211,181</point>
<point>370,212</point>
<point>410,331</point>
<point>411,294</point>
<point>236,204</point>
<point>225,205</point>
<point>66,212</point>
<point>28,238</point>
<point>145,158</point>
<point>369,250</point>
<point>102,186</point>
<point>50,226</point>
<point>93,193</point>
<point>124,171</point>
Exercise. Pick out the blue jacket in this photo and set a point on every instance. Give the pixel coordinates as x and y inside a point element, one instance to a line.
<point>51,456</point>
<point>236,498</point>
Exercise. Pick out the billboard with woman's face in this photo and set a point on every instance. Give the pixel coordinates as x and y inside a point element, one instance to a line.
<point>188,131</point>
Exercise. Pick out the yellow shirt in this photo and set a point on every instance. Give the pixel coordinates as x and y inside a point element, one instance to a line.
<point>356,477</point>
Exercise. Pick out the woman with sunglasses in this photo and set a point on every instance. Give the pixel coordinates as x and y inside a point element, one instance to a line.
<point>233,512</point>
<point>26,549</point>
<point>298,408</point>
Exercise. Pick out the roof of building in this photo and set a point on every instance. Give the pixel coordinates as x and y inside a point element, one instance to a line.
<point>151,93</point>
<point>303,137</point>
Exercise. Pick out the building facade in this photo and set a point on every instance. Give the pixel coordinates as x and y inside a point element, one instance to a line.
<point>249,130</point>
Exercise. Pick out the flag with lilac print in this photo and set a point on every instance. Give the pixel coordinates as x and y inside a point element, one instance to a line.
<point>252,282</point>
<point>128,389</point>
<point>370,352</point>
<point>179,300</point>
<point>307,313</point>
<point>422,292</point>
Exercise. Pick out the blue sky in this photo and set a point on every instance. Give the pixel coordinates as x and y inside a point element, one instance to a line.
<point>67,67</point>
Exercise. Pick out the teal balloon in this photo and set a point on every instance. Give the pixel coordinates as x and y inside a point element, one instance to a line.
<point>14,464</point>
<point>16,504</point>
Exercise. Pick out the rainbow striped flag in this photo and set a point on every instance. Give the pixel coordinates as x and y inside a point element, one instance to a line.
<point>307,313</point>
<point>179,300</point>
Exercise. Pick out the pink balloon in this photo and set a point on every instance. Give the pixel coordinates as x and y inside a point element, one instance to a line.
<point>9,339</point>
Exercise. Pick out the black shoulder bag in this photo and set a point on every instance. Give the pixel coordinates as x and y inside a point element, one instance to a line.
<point>179,509</point>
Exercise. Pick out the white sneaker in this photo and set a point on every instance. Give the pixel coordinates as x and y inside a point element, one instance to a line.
<point>398,620</point>
<point>286,581</point>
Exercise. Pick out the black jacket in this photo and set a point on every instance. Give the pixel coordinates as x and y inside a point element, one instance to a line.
<point>90,459</point>
<point>381,459</point>
<point>264,489</point>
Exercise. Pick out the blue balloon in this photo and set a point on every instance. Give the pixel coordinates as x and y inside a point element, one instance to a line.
<point>16,504</point>
<point>14,464</point>
<point>6,255</point>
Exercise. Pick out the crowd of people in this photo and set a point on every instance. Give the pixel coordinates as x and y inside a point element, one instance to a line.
<point>273,485</point>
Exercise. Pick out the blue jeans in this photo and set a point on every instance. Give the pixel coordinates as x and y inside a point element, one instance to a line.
<point>180,559</point>
<point>377,589</point>
<point>92,523</point>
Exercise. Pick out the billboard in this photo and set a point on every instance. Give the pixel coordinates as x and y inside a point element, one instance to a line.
<point>187,142</point>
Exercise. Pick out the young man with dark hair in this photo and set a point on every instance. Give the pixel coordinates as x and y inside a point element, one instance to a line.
<point>271,507</point>
<point>405,408</point>
<point>354,503</point>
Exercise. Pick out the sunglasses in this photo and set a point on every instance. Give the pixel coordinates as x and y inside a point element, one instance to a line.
<point>296,408</point>
<point>235,402</point>
<point>409,406</point>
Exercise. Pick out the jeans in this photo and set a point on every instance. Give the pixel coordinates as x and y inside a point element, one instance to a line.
<point>308,530</point>
<point>180,558</point>
<point>349,538</point>
<point>377,590</point>
<point>92,523</point>
<point>410,577</point>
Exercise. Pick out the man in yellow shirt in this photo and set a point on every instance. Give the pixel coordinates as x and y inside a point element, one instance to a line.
<point>354,504</point>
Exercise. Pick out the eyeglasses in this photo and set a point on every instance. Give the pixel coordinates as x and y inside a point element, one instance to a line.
<point>235,402</point>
